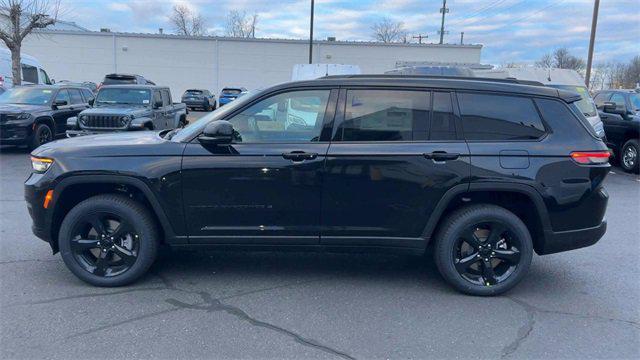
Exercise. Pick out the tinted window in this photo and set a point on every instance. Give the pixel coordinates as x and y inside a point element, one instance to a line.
<point>601,98</point>
<point>193,92</point>
<point>292,117</point>
<point>123,96</point>
<point>119,80</point>
<point>498,117</point>
<point>29,74</point>
<point>64,96</point>
<point>384,115</point>
<point>166,99</point>
<point>88,95</point>
<point>618,99</point>
<point>76,98</point>
<point>157,98</point>
<point>26,95</point>
<point>561,118</point>
<point>231,91</point>
<point>635,101</point>
<point>443,126</point>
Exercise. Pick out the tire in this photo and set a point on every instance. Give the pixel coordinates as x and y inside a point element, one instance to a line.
<point>629,161</point>
<point>207,108</point>
<point>483,219</point>
<point>41,135</point>
<point>215,105</point>
<point>122,264</point>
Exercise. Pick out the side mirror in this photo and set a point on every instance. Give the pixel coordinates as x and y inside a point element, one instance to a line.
<point>219,132</point>
<point>53,81</point>
<point>91,101</point>
<point>157,104</point>
<point>612,108</point>
<point>58,103</point>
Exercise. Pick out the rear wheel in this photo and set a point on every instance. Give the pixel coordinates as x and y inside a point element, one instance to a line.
<point>41,135</point>
<point>108,240</point>
<point>629,156</point>
<point>483,250</point>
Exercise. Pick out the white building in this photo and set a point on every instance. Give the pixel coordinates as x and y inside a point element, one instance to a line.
<point>214,62</point>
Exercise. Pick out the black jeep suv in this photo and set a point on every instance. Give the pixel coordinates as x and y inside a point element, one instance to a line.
<point>486,171</point>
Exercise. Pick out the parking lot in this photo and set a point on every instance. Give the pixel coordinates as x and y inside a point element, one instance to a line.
<point>578,304</point>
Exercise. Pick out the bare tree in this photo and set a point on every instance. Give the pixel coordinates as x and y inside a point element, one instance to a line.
<point>186,22</point>
<point>18,18</point>
<point>239,24</point>
<point>388,31</point>
<point>632,73</point>
<point>562,59</point>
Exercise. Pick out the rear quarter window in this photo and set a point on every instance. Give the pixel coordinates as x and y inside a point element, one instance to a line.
<point>562,119</point>
<point>493,117</point>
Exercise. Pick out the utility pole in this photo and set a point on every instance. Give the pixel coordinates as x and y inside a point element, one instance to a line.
<point>420,37</point>
<point>461,37</point>
<point>311,35</point>
<point>443,10</point>
<point>592,40</point>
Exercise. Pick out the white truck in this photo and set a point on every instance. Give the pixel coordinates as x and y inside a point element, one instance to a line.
<point>559,78</point>
<point>32,71</point>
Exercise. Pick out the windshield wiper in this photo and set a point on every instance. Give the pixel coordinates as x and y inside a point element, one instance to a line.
<point>170,134</point>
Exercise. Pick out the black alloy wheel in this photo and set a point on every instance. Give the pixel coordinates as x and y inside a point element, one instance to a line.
<point>105,244</point>
<point>629,156</point>
<point>41,135</point>
<point>109,240</point>
<point>483,249</point>
<point>487,253</point>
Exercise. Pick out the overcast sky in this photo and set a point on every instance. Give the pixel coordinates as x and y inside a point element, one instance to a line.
<point>510,30</point>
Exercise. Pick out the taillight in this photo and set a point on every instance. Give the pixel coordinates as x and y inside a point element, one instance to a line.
<point>591,157</point>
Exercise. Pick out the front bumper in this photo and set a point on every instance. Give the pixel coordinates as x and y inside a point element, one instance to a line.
<point>572,239</point>
<point>14,134</point>
<point>34,193</point>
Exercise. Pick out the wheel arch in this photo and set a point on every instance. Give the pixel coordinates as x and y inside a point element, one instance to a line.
<point>48,120</point>
<point>523,200</point>
<point>71,191</point>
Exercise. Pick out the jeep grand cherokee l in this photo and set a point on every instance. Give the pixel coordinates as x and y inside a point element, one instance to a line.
<point>486,171</point>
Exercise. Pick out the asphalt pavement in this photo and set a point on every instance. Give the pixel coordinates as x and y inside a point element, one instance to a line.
<point>258,305</point>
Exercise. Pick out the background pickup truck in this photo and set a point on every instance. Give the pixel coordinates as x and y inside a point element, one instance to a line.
<point>129,107</point>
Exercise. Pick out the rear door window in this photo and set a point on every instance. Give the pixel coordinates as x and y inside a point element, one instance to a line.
<point>76,97</point>
<point>166,98</point>
<point>88,95</point>
<point>443,126</point>
<point>384,115</point>
<point>499,117</point>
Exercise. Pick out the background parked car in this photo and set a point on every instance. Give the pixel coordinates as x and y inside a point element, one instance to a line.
<point>199,98</point>
<point>229,94</point>
<point>32,71</point>
<point>34,115</point>
<point>124,79</point>
<point>88,84</point>
<point>620,113</point>
<point>129,107</point>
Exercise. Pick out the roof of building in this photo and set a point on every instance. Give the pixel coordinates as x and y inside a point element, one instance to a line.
<point>227,38</point>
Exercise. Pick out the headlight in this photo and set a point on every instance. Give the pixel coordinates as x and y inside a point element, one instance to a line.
<point>40,164</point>
<point>18,117</point>
<point>125,119</point>
<point>23,116</point>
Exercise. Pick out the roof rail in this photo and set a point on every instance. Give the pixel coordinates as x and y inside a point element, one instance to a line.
<point>433,77</point>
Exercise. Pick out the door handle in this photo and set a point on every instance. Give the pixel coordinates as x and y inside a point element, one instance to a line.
<point>441,156</point>
<point>299,156</point>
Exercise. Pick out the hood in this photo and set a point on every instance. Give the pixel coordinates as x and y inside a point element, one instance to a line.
<point>129,143</point>
<point>21,108</point>
<point>124,110</point>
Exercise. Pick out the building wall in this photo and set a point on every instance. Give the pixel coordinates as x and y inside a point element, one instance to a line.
<point>215,62</point>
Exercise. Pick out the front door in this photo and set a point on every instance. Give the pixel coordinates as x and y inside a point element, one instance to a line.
<point>265,187</point>
<point>63,112</point>
<point>393,156</point>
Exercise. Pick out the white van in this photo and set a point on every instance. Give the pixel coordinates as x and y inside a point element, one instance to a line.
<point>566,79</point>
<point>32,71</point>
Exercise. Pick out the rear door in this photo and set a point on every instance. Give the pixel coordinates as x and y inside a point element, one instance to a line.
<point>394,154</point>
<point>265,187</point>
<point>63,112</point>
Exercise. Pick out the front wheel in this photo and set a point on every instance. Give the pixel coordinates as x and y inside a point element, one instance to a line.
<point>108,240</point>
<point>41,135</point>
<point>483,250</point>
<point>629,156</point>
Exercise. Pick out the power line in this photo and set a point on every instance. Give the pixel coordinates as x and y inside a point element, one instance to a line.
<point>501,11</point>
<point>477,12</point>
<point>558,2</point>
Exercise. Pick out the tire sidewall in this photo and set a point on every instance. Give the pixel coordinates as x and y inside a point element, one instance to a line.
<point>35,141</point>
<point>120,206</point>
<point>470,216</point>
<point>636,166</point>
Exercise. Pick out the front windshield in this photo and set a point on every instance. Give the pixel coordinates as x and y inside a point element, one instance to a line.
<point>586,104</point>
<point>27,96</point>
<point>195,128</point>
<point>131,96</point>
<point>635,101</point>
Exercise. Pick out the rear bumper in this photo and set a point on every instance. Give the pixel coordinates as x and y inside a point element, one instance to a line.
<point>573,239</point>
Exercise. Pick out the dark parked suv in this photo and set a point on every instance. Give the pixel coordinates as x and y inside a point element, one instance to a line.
<point>33,115</point>
<point>486,171</point>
